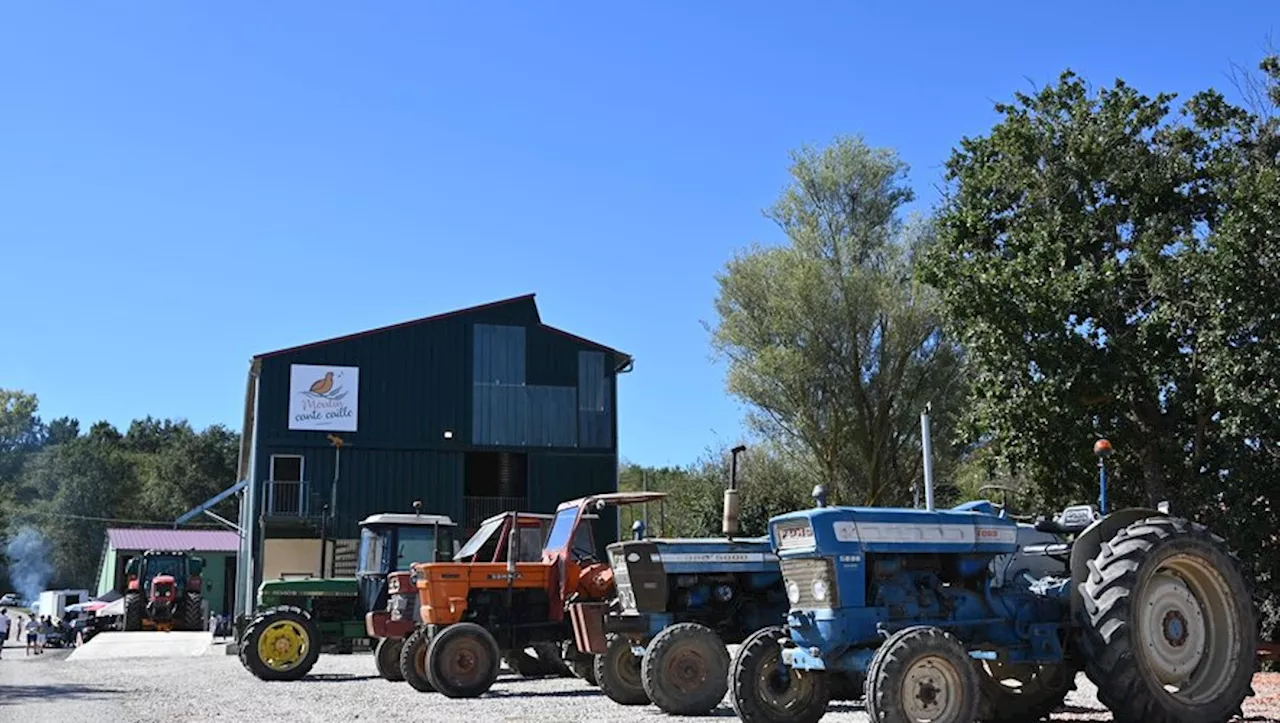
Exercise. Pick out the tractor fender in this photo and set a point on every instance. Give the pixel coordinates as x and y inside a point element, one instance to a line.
<point>1089,543</point>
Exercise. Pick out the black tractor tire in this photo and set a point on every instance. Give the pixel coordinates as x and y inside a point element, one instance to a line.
<point>763,691</point>
<point>463,661</point>
<point>1034,701</point>
<point>685,670</point>
<point>953,685</point>
<point>618,672</point>
<point>525,665</point>
<point>295,620</point>
<point>193,612</point>
<point>386,657</point>
<point>845,686</point>
<point>550,655</point>
<point>1158,584</point>
<point>413,660</point>
<point>134,608</point>
<point>581,664</point>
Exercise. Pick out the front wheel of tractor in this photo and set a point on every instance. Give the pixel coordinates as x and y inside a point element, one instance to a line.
<point>413,660</point>
<point>763,690</point>
<point>386,658</point>
<point>685,670</point>
<point>618,672</point>
<point>282,643</point>
<point>922,673</point>
<point>463,661</point>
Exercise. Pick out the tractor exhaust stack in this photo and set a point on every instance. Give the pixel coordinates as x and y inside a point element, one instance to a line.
<point>926,444</point>
<point>731,501</point>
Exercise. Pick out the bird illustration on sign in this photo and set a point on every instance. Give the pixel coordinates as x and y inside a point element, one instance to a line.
<point>326,388</point>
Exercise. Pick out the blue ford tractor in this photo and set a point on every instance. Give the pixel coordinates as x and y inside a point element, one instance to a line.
<point>680,602</point>
<point>963,615</point>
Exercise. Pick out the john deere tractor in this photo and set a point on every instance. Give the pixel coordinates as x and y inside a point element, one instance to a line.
<point>163,592</point>
<point>297,618</point>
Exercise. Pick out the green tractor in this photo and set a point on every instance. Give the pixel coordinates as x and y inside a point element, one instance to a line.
<point>298,618</point>
<point>163,592</point>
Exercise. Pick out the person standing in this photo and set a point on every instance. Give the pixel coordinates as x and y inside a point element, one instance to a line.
<point>33,628</point>
<point>4,629</point>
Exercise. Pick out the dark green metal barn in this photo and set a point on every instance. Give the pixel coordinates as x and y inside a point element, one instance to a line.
<point>472,412</point>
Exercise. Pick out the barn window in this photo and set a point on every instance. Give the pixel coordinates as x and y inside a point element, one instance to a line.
<point>286,468</point>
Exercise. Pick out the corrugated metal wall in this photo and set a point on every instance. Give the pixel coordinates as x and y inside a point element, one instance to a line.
<point>374,480</point>
<point>494,378</point>
<point>554,478</point>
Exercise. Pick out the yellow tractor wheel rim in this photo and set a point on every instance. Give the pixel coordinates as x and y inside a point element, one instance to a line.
<point>283,645</point>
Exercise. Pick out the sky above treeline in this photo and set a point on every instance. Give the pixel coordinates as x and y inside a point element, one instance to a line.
<point>189,184</point>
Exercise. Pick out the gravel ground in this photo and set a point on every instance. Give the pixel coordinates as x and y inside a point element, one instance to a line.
<point>344,687</point>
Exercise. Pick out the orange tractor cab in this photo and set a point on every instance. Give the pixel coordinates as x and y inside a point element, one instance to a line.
<point>472,612</point>
<point>400,617</point>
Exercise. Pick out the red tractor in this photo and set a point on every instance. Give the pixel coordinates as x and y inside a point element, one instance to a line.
<point>164,592</point>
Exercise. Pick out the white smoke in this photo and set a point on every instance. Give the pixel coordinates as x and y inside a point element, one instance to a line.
<point>29,566</point>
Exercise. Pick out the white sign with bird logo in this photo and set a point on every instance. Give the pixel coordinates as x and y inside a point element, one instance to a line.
<point>323,398</point>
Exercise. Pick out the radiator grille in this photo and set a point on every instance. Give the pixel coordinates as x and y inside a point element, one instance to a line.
<point>803,574</point>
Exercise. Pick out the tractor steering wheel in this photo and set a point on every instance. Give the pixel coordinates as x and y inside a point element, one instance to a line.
<point>1004,505</point>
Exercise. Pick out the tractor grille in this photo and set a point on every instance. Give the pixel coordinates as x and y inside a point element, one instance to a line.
<point>799,577</point>
<point>641,581</point>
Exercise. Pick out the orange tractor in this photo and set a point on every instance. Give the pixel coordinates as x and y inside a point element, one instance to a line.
<point>397,621</point>
<point>472,612</point>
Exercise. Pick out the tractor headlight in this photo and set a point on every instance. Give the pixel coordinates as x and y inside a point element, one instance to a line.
<point>793,592</point>
<point>820,590</point>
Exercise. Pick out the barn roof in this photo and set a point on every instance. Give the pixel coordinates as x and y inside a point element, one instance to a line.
<point>623,359</point>
<point>130,538</point>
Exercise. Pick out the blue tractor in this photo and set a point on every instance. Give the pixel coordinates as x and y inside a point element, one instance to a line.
<point>962,615</point>
<point>663,639</point>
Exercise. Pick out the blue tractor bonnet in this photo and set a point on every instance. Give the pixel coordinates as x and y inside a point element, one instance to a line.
<point>893,530</point>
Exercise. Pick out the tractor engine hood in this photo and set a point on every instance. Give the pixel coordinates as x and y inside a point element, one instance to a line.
<point>836,530</point>
<point>309,587</point>
<point>642,568</point>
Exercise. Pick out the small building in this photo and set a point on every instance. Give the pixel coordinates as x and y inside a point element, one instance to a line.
<point>219,549</point>
<point>472,412</point>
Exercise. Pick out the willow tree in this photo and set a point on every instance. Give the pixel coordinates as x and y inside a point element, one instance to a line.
<point>830,340</point>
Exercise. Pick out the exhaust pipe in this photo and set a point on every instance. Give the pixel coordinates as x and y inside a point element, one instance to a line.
<point>731,501</point>
<point>926,444</point>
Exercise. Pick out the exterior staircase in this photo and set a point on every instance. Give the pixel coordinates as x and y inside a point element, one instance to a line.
<point>346,558</point>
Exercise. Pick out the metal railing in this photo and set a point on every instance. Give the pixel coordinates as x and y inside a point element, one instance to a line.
<point>287,499</point>
<point>478,509</point>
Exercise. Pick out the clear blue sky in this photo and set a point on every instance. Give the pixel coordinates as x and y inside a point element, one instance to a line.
<point>186,184</point>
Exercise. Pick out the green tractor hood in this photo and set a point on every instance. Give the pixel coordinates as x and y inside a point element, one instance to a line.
<point>270,592</point>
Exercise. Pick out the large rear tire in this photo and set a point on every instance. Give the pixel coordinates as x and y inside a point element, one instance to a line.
<point>686,670</point>
<point>413,660</point>
<point>549,653</point>
<point>386,657</point>
<point>282,643</point>
<point>525,665</point>
<point>1040,690</point>
<point>763,690</point>
<point>1170,632</point>
<point>618,672</point>
<point>922,673</point>
<point>193,612</point>
<point>133,607</point>
<point>463,661</point>
<point>581,664</point>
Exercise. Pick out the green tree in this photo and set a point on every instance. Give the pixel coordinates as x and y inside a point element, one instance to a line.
<point>830,339</point>
<point>1112,265</point>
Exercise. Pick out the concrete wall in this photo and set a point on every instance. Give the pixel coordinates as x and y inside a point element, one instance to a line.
<point>295,557</point>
